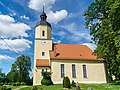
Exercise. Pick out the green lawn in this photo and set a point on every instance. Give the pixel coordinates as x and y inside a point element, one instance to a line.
<point>109,86</point>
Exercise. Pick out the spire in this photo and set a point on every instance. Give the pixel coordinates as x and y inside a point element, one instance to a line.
<point>43,15</point>
<point>43,21</point>
<point>43,8</point>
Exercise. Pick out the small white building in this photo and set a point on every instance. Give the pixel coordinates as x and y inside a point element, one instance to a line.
<point>72,60</point>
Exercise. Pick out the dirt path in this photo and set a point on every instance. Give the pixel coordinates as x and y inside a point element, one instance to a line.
<point>19,88</point>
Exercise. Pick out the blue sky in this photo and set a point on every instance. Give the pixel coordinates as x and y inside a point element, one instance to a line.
<point>19,17</point>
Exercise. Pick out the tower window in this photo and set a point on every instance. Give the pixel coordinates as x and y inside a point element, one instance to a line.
<point>84,71</point>
<point>42,70</point>
<point>43,33</point>
<point>43,53</point>
<point>62,71</point>
<point>73,71</point>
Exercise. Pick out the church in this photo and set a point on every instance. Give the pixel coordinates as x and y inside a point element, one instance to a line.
<point>73,60</point>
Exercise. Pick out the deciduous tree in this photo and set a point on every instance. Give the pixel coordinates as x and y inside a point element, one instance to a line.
<point>20,70</point>
<point>103,19</point>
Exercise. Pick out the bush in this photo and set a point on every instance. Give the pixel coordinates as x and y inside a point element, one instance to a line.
<point>34,88</point>
<point>17,83</point>
<point>73,84</point>
<point>46,79</point>
<point>46,82</point>
<point>9,83</point>
<point>22,83</point>
<point>66,82</point>
<point>1,84</point>
<point>13,83</point>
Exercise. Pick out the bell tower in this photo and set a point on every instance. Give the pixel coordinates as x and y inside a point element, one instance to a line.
<point>42,46</point>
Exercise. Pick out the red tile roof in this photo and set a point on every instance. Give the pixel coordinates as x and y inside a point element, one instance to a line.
<point>42,62</point>
<point>72,51</point>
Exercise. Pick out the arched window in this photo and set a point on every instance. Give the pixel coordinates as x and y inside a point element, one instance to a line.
<point>73,71</point>
<point>62,71</point>
<point>43,33</point>
<point>42,70</point>
<point>43,53</point>
<point>84,71</point>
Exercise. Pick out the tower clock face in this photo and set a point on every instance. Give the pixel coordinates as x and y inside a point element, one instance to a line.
<point>43,42</point>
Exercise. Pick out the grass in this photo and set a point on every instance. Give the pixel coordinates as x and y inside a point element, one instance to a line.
<point>109,86</point>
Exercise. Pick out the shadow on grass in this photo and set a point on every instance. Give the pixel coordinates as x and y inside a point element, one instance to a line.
<point>115,83</point>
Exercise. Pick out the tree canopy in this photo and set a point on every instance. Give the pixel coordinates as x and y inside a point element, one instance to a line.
<point>20,70</point>
<point>2,76</point>
<point>103,19</point>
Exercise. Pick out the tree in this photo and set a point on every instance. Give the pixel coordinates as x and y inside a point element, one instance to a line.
<point>13,74</point>
<point>103,19</point>
<point>66,82</point>
<point>2,76</point>
<point>20,70</point>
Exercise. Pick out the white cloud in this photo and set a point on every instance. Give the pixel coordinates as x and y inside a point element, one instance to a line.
<point>77,32</point>
<point>90,45</point>
<point>53,38</point>
<point>13,14</point>
<point>55,17</point>
<point>58,41</point>
<point>5,57</point>
<point>24,17</point>
<point>73,15</point>
<point>38,4</point>
<point>62,34</point>
<point>16,44</point>
<point>10,28</point>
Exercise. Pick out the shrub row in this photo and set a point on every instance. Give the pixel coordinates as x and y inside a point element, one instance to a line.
<point>13,83</point>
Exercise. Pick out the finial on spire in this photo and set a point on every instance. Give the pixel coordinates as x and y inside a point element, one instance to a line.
<point>43,8</point>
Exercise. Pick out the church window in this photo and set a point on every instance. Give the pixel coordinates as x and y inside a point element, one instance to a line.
<point>62,71</point>
<point>43,53</point>
<point>84,71</point>
<point>73,71</point>
<point>43,33</point>
<point>42,70</point>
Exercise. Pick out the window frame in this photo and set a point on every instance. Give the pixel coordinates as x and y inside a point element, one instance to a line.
<point>43,33</point>
<point>42,70</point>
<point>43,53</point>
<point>62,66</point>
<point>73,71</point>
<point>84,71</point>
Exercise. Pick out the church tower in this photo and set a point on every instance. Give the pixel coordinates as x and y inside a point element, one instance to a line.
<point>42,46</point>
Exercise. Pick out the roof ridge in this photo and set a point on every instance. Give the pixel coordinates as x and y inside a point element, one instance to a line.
<point>68,44</point>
